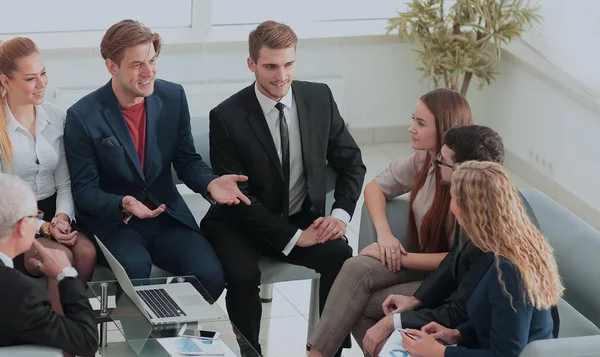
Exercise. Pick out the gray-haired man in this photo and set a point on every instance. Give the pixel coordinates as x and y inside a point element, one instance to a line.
<point>25,311</point>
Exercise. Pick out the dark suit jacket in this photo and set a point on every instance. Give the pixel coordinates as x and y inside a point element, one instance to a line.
<point>27,317</point>
<point>241,143</point>
<point>104,164</point>
<point>444,293</point>
<point>494,328</point>
<point>455,273</point>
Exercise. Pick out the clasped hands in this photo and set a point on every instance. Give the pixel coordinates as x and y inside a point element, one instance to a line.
<point>322,230</point>
<point>60,228</point>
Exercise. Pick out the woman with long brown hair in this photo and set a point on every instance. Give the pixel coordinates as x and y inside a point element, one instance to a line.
<point>510,306</point>
<point>365,280</point>
<point>31,146</point>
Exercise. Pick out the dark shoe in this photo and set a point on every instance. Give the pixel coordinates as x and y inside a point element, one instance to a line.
<point>247,350</point>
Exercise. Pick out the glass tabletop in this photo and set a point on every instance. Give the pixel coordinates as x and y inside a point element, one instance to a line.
<point>134,305</point>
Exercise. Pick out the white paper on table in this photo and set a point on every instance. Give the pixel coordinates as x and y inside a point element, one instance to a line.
<point>393,346</point>
<point>174,345</point>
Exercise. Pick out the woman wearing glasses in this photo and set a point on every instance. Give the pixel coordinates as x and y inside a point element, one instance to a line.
<point>361,285</point>
<point>31,146</point>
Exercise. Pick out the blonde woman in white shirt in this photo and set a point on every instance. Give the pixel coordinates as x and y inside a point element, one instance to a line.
<point>31,146</point>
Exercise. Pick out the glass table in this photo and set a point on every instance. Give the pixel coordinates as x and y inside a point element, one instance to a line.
<point>142,338</point>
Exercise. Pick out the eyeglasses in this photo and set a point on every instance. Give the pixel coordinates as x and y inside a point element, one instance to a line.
<point>38,215</point>
<point>439,162</point>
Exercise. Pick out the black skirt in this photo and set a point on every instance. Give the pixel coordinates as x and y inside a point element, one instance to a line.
<point>48,206</point>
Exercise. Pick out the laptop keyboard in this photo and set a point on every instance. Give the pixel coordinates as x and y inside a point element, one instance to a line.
<point>160,303</point>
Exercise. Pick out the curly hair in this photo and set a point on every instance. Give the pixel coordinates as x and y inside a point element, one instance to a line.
<point>495,220</point>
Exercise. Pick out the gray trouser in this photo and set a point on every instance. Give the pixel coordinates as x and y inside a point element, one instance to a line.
<point>354,302</point>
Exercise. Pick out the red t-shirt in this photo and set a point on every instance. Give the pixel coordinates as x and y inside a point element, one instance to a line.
<point>135,116</point>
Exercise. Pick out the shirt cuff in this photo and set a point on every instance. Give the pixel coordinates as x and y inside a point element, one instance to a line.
<point>397,321</point>
<point>292,243</point>
<point>341,215</point>
<point>39,225</point>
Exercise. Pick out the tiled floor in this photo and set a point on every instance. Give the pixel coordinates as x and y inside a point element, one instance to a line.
<point>285,320</point>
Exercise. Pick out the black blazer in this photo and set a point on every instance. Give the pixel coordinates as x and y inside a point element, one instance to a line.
<point>448,288</point>
<point>104,164</point>
<point>241,143</point>
<point>454,273</point>
<point>500,325</point>
<point>27,317</point>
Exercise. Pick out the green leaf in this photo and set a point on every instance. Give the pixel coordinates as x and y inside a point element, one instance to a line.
<point>452,38</point>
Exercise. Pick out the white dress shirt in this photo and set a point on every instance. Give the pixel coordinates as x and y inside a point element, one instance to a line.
<point>298,190</point>
<point>6,260</point>
<point>42,161</point>
<point>397,321</point>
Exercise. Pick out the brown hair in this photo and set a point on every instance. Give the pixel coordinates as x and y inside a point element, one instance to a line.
<point>10,51</point>
<point>125,34</point>
<point>496,222</point>
<point>273,35</point>
<point>448,108</point>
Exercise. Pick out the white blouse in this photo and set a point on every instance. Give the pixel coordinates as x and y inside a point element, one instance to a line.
<point>42,161</point>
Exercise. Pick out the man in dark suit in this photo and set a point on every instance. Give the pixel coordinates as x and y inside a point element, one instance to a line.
<point>281,134</point>
<point>121,141</point>
<point>442,297</point>
<point>25,311</point>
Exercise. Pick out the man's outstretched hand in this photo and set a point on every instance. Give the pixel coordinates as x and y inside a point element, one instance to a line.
<point>140,210</point>
<point>224,190</point>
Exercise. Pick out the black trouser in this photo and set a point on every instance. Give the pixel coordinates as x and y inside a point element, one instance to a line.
<point>240,252</point>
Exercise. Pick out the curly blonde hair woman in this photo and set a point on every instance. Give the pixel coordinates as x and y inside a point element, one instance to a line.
<point>510,306</point>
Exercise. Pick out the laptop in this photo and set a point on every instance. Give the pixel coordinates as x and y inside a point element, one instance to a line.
<point>171,303</point>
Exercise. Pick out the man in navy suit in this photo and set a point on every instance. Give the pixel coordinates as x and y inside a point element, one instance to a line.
<point>121,141</point>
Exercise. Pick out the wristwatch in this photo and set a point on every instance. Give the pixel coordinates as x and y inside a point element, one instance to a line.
<point>67,272</point>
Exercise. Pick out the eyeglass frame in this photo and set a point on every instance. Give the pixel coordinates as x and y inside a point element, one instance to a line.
<point>438,161</point>
<point>39,215</point>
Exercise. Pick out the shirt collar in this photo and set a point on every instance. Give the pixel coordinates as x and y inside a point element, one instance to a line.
<point>6,260</point>
<point>267,104</point>
<point>41,117</point>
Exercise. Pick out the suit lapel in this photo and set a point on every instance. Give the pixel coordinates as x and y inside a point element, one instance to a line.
<point>304,121</point>
<point>259,126</point>
<point>153,107</point>
<point>116,121</point>
<point>459,241</point>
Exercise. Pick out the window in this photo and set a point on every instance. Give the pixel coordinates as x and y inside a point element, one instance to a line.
<point>233,12</point>
<point>42,16</point>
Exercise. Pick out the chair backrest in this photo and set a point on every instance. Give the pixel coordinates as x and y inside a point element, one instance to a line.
<point>397,215</point>
<point>201,142</point>
<point>576,247</point>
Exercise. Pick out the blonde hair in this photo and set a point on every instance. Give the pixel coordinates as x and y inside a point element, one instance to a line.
<point>495,220</point>
<point>10,52</point>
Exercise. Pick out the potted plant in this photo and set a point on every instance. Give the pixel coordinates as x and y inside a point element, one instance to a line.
<point>459,39</point>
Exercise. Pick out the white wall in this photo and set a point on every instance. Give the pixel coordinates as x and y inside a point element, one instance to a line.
<point>373,78</point>
<point>553,130</point>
